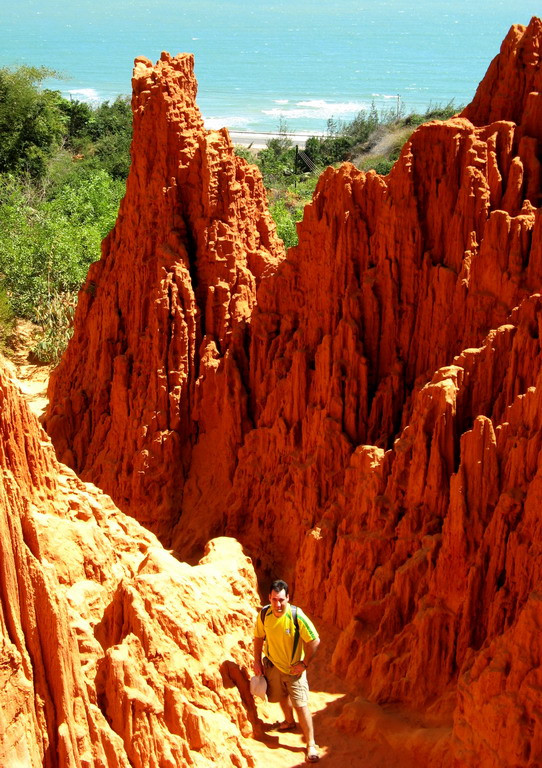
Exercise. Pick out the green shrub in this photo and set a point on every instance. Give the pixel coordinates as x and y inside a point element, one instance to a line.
<point>277,160</point>
<point>109,133</point>
<point>46,246</point>
<point>276,164</point>
<point>285,218</point>
<point>328,150</point>
<point>78,119</point>
<point>56,320</point>
<point>6,318</point>
<point>110,119</point>
<point>287,206</point>
<point>247,153</point>
<point>433,112</point>
<point>363,125</point>
<point>381,165</point>
<point>62,170</point>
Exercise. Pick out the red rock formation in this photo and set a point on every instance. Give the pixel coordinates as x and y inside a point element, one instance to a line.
<point>162,314</point>
<point>111,651</point>
<point>391,279</point>
<point>508,89</point>
<point>376,438</point>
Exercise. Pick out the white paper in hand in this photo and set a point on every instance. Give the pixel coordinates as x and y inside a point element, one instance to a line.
<point>258,686</point>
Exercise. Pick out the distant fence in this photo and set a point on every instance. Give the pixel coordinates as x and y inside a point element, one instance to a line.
<point>301,158</point>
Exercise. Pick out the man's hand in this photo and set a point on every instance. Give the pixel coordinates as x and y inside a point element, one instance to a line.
<point>258,668</point>
<point>310,649</point>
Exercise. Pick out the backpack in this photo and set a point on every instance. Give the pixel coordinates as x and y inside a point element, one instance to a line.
<point>265,610</point>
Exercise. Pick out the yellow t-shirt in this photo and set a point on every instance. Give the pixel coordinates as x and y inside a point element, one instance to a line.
<point>279,637</point>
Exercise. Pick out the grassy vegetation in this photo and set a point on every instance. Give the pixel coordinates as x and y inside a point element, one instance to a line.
<point>373,139</point>
<point>6,319</point>
<point>286,205</point>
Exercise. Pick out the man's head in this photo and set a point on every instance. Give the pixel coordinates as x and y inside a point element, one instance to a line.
<point>279,597</point>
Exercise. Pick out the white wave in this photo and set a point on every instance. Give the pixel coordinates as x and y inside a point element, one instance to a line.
<point>281,101</point>
<point>215,123</point>
<point>317,109</point>
<point>89,95</point>
<point>341,107</point>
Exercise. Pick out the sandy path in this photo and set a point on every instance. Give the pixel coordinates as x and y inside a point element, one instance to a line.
<point>32,378</point>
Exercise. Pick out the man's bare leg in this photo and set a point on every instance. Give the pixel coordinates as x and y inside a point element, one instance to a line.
<point>305,720</point>
<point>287,709</point>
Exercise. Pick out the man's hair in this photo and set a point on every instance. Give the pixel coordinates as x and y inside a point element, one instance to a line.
<point>278,585</point>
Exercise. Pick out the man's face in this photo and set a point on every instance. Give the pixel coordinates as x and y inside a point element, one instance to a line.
<point>279,602</point>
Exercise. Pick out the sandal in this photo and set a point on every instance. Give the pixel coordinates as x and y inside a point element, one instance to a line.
<point>312,754</point>
<point>286,726</point>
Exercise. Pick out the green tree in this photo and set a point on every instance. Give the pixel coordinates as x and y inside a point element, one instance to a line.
<point>32,123</point>
<point>79,116</point>
<point>285,218</point>
<point>110,128</point>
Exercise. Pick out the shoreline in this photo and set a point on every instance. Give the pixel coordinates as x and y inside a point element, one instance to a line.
<point>259,139</point>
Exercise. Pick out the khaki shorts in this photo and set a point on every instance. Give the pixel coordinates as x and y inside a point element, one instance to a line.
<point>280,686</point>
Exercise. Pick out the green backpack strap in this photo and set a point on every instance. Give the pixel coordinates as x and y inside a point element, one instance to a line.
<point>296,633</point>
<point>263,613</point>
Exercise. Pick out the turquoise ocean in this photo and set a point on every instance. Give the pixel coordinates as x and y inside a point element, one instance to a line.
<point>304,61</point>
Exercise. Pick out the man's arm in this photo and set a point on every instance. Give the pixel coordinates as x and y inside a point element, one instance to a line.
<point>258,647</point>
<point>310,649</point>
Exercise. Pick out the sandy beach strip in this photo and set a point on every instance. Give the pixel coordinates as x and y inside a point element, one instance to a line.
<point>257,140</point>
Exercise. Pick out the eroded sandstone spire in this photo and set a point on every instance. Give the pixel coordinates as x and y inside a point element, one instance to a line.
<point>162,315</point>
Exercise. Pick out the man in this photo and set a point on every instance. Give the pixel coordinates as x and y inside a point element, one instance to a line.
<point>286,660</point>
